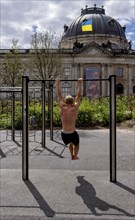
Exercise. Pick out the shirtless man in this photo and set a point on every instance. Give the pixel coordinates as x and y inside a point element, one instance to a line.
<point>68,113</point>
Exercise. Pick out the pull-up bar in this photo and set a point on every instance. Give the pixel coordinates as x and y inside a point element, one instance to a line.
<point>68,80</point>
<point>10,91</point>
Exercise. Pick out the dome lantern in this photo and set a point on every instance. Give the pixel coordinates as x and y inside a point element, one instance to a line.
<point>93,10</point>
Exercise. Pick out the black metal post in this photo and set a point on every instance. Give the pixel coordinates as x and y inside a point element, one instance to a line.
<point>13,116</point>
<point>43,115</point>
<point>112,79</point>
<point>25,129</point>
<point>51,111</point>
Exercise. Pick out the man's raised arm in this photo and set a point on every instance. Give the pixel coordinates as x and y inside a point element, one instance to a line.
<point>79,90</point>
<point>59,93</point>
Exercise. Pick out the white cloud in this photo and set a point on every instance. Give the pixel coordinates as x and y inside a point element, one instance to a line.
<point>124,22</point>
<point>131,34</point>
<point>123,9</point>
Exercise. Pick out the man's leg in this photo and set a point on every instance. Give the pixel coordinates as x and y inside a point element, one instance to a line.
<point>71,150</point>
<point>76,151</point>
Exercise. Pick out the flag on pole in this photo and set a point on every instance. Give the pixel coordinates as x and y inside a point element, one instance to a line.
<point>87,25</point>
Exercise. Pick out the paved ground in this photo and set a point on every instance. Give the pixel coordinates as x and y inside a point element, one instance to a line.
<point>59,188</point>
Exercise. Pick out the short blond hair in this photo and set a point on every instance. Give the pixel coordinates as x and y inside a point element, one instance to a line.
<point>69,99</point>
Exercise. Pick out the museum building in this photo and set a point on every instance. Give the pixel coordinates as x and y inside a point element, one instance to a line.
<point>99,48</point>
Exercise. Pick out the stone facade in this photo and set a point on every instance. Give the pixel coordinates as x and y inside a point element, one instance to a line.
<point>121,65</point>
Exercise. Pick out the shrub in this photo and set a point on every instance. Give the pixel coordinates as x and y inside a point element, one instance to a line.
<point>5,122</point>
<point>101,112</point>
<point>35,110</point>
<point>85,113</point>
<point>123,108</point>
<point>56,116</point>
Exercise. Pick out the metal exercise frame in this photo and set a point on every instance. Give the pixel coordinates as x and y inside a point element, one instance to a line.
<point>25,117</point>
<point>12,91</point>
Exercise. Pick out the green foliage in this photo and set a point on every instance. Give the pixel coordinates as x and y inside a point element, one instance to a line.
<point>56,115</point>
<point>35,109</point>
<point>91,112</point>
<point>101,111</point>
<point>5,122</point>
<point>125,108</point>
<point>85,113</point>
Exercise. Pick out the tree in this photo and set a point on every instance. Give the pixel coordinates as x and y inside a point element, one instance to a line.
<point>11,74</point>
<point>13,67</point>
<point>45,58</point>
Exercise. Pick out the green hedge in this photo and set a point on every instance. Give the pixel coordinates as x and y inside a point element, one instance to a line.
<point>91,112</point>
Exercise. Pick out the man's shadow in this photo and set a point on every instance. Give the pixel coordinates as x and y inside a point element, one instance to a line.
<point>88,194</point>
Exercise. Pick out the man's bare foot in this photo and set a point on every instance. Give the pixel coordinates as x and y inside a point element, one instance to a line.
<point>75,158</point>
<point>72,158</point>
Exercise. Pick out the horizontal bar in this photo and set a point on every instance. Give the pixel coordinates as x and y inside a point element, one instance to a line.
<point>11,87</point>
<point>19,88</point>
<point>69,80</point>
<point>11,91</point>
<point>5,89</point>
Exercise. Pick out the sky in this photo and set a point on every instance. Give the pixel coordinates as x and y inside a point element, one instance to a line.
<point>19,19</point>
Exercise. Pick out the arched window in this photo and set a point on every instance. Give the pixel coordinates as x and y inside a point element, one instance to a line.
<point>67,71</point>
<point>119,71</point>
<point>134,89</point>
<point>35,90</point>
<point>66,89</point>
<point>119,89</point>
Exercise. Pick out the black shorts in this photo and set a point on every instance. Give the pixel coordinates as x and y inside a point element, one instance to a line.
<point>70,138</point>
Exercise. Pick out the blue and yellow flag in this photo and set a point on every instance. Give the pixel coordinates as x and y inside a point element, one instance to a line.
<point>87,25</point>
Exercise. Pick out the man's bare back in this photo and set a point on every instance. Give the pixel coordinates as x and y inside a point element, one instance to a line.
<point>68,117</point>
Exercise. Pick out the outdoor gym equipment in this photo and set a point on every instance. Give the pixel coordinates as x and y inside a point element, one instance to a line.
<point>25,117</point>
